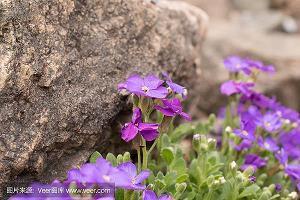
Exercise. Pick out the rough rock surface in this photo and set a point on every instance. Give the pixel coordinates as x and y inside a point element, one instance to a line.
<point>60,62</point>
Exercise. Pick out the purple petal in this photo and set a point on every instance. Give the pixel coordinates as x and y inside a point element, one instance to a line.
<point>129,131</point>
<point>149,135</point>
<point>152,82</point>
<point>137,116</point>
<point>122,86</point>
<point>244,145</point>
<point>160,92</point>
<point>185,116</point>
<point>166,111</point>
<point>75,175</point>
<point>175,104</point>
<point>268,144</point>
<point>165,197</point>
<point>235,64</point>
<point>129,168</point>
<point>282,157</point>
<point>134,84</point>
<point>141,177</point>
<point>147,126</point>
<point>175,87</point>
<point>228,88</point>
<point>121,180</point>
<point>149,195</point>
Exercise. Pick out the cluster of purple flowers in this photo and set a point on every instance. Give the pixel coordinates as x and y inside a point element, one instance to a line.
<point>154,88</point>
<point>99,174</point>
<point>264,122</point>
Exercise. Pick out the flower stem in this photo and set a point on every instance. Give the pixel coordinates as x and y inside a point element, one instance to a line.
<point>145,156</point>
<point>139,158</point>
<point>153,146</point>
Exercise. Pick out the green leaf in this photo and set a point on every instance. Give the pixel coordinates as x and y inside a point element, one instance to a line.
<point>170,178</point>
<point>179,166</point>
<point>182,178</point>
<point>275,196</point>
<point>250,190</point>
<point>167,154</point>
<point>159,184</point>
<point>94,157</point>
<point>165,141</point>
<point>182,131</point>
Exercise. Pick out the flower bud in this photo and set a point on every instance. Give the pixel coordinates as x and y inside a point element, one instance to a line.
<point>111,158</point>
<point>196,142</point>
<point>293,195</point>
<point>212,143</point>
<point>249,171</point>
<point>180,187</point>
<point>185,92</point>
<point>203,143</point>
<point>119,159</point>
<point>212,119</point>
<point>233,165</point>
<point>126,157</point>
<point>228,129</point>
<point>271,188</point>
<point>222,180</point>
<point>240,177</point>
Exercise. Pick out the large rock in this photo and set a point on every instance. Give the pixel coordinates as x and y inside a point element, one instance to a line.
<point>60,62</point>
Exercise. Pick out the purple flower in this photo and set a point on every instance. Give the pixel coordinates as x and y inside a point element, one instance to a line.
<point>260,66</point>
<point>246,65</point>
<point>278,187</point>
<point>174,86</point>
<point>291,143</point>
<point>260,100</point>
<point>237,64</point>
<point>150,86</point>
<point>282,157</point>
<point>101,172</point>
<point>150,195</point>
<point>255,161</point>
<point>172,108</point>
<point>247,130</point>
<point>270,122</point>
<point>135,180</point>
<point>232,87</point>
<point>293,171</point>
<point>268,144</point>
<point>288,113</point>
<point>131,129</point>
<point>244,145</point>
<point>252,179</point>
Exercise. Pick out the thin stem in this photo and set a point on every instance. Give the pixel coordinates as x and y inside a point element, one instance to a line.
<point>209,195</point>
<point>126,195</point>
<point>139,158</point>
<point>153,146</point>
<point>145,156</point>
